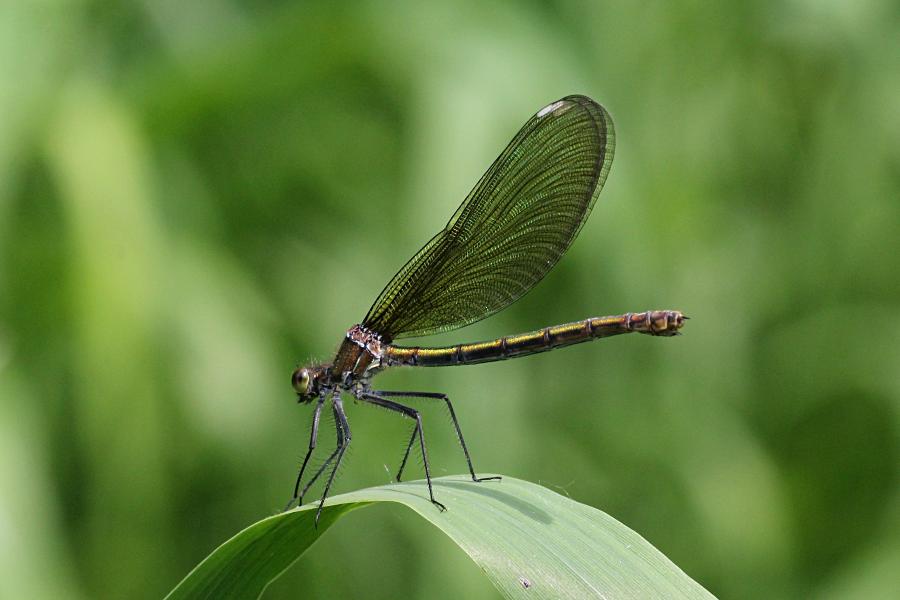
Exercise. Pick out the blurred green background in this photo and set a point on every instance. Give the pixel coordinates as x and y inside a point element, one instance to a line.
<point>196,197</point>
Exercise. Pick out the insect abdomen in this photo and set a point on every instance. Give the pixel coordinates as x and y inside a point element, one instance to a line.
<point>656,322</point>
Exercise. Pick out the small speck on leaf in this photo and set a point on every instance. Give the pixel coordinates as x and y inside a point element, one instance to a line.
<point>525,582</point>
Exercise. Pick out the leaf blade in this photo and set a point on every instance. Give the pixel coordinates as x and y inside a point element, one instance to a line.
<point>528,540</point>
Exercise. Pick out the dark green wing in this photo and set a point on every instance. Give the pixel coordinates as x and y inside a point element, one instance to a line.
<point>511,229</point>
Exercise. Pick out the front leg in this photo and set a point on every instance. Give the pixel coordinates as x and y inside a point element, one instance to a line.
<point>313,436</point>
<point>343,441</point>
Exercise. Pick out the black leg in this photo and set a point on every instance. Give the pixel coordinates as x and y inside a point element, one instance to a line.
<point>409,446</point>
<point>412,414</point>
<point>319,472</point>
<point>343,435</point>
<point>459,435</point>
<point>313,435</point>
<point>327,461</point>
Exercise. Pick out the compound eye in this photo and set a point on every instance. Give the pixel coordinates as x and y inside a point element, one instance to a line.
<point>300,381</point>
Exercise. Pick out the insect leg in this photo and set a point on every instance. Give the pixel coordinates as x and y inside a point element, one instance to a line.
<point>344,437</point>
<point>411,413</point>
<point>459,435</point>
<point>412,440</point>
<point>313,435</point>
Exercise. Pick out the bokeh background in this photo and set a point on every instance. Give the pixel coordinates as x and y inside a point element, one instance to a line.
<point>196,197</point>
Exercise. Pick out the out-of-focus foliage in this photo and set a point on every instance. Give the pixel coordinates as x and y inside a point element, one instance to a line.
<point>195,197</point>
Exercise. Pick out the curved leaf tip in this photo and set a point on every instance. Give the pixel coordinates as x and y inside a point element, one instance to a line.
<point>530,542</point>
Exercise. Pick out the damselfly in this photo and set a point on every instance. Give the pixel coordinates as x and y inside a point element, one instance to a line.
<point>508,233</point>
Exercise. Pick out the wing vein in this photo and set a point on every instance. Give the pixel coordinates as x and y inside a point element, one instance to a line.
<point>511,229</point>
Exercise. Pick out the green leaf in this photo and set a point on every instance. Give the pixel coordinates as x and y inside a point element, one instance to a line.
<point>529,541</point>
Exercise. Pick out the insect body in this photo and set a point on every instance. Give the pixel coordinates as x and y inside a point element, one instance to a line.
<point>512,228</point>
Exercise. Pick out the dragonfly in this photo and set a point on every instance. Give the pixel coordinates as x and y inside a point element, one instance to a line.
<point>512,228</point>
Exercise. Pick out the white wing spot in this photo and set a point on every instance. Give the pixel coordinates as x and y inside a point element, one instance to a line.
<point>549,108</point>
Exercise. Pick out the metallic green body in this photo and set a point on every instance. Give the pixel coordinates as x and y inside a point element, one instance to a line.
<point>656,322</point>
